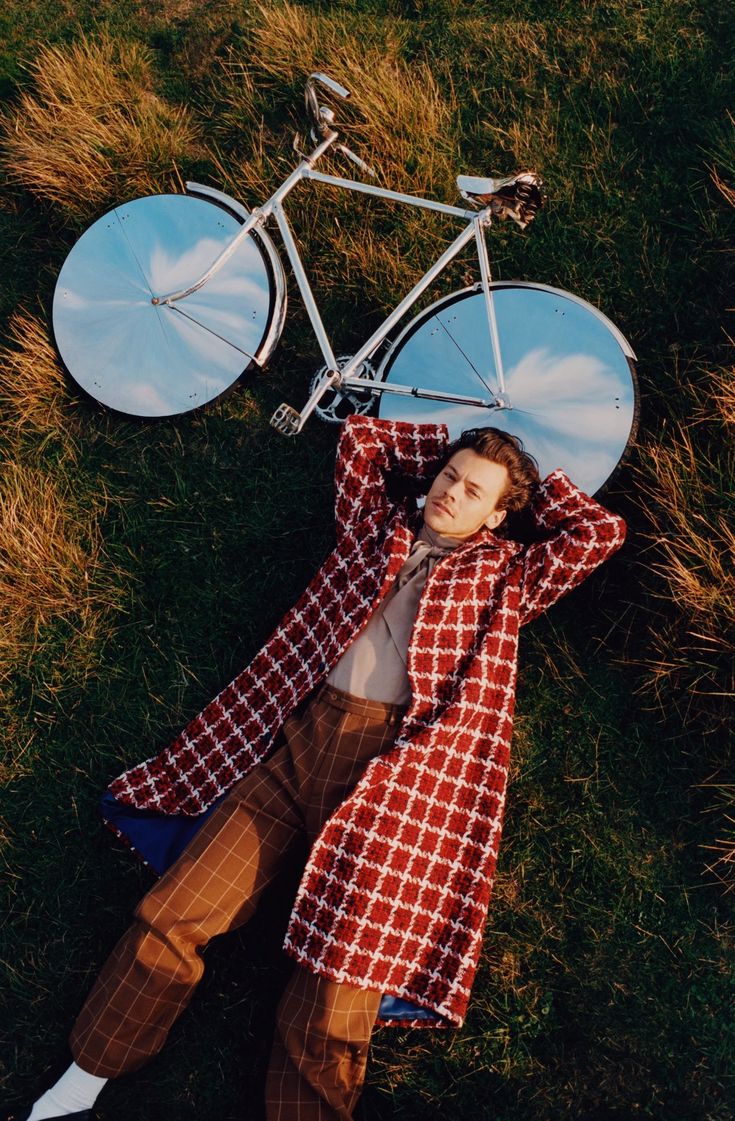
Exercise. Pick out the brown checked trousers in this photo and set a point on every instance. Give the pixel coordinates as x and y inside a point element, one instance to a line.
<point>323,1029</point>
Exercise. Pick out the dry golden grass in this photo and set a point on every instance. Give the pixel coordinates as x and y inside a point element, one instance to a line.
<point>92,130</point>
<point>686,492</point>
<point>33,394</point>
<point>373,268</point>
<point>687,483</point>
<point>697,551</point>
<point>50,564</point>
<point>723,394</point>
<point>724,188</point>
<point>400,119</point>
<point>722,866</point>
<point>404,120</point>
<point>722,151</point>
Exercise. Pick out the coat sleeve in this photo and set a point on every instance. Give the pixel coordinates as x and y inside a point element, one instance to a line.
<point>374,455</point>
<point>581,535</point>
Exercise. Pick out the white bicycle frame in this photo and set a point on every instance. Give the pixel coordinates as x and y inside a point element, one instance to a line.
<point>344,378</point>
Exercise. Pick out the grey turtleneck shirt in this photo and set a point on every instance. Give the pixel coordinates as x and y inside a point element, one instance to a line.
<point>374,665</point>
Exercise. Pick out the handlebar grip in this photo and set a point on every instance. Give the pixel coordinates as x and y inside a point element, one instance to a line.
<point>330,83</point>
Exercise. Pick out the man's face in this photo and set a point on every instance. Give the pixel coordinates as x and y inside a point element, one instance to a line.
<point>464,495</point>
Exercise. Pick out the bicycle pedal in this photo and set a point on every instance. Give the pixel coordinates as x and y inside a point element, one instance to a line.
<point>286,420</point>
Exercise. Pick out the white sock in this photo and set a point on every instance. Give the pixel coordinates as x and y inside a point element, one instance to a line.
<point>75,1090</point>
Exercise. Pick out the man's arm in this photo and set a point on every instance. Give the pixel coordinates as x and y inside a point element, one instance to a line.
<point>372,454</point>
<point>582,534</point>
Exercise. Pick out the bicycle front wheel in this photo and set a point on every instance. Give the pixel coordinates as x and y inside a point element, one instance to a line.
<point>149,360</point>
<point>568,371</point>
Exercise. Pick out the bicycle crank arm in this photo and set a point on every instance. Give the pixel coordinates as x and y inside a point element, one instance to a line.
<point>379,387</point>
<point>289,422</point>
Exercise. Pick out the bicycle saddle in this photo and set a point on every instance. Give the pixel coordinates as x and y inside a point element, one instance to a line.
<point>518,197</point>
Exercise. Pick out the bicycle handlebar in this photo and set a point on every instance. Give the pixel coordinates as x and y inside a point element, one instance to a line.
<point>323,116</point>
<point>330,83</point>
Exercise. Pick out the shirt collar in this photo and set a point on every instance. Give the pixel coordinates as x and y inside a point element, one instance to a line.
<point>438,540</point>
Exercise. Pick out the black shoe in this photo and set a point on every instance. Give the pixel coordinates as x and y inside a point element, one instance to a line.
<point>22,1114</point>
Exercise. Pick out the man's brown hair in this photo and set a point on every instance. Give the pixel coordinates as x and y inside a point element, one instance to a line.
<point>507,450</point>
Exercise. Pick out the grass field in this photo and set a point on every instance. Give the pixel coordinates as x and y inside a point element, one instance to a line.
<point>142,564</point>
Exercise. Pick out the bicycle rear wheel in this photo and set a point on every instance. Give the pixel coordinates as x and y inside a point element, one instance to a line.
<point>569,375</point>
<point>149,360</point>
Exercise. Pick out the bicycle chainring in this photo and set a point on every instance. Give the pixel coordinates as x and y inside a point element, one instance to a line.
<point>337,404</point>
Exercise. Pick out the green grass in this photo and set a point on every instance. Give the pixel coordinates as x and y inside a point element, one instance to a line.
<point>604,989</point>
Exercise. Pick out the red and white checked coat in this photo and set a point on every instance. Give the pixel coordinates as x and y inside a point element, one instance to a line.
<point>397,886</point>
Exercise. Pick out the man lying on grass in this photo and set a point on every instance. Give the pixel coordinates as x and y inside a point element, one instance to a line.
<point>371,734</point>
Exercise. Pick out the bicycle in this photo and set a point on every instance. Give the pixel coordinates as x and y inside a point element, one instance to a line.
<point>166,301</point>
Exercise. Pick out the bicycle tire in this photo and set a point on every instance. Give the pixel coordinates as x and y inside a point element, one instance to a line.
<point>156,361</point>
<point>569,374</point>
